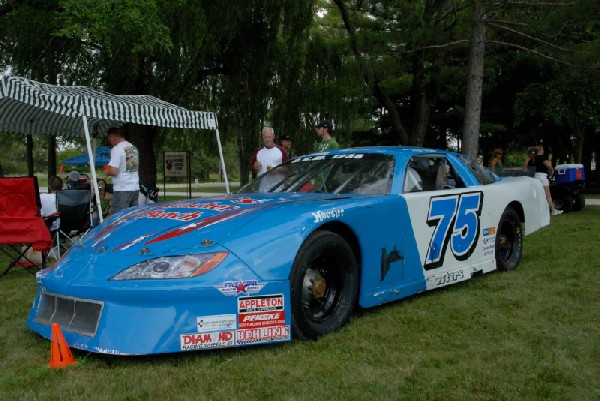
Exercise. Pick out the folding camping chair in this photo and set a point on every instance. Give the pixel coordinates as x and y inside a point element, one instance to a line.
<point>21,226</point>
<point>74,206</point>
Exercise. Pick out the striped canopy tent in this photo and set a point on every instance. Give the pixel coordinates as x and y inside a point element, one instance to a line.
<point>31,107</point>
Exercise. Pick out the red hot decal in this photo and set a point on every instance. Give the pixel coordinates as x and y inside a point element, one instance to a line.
<point>163,214</point>
<point>219,207</point>
<point>246,201</point>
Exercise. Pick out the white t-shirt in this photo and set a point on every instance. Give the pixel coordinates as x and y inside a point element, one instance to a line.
<point>124,156</point>
<point>49,207</point>
<point>269,158</point>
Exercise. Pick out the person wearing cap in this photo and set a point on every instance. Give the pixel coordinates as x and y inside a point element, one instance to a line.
<point>269,154</point>
<point>324,130</point>
<point>286,142</point>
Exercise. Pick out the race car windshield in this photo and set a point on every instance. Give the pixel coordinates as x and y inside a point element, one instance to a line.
<point>353,173</point>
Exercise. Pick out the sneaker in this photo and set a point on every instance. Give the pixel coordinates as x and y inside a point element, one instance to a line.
<point>556,212</point>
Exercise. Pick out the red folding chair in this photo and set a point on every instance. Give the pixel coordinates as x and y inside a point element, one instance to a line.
<point>21,226</point>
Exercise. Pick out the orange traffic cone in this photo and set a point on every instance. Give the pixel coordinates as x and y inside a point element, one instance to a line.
<point>60,353</point>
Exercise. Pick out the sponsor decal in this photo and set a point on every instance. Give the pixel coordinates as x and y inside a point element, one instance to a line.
<point>263,334</point>
<point>216,323</point>
<point>319,156</point>
<point>248,201</point>
<point>219,207</point>
<point>131,243</point>
<point>216,339</point>
<point>253,320</point>
<point>489,231</point>
<point>491,240</point>
<point>328,214</point>
<point>265,303</point>
<point>209,221</point>
<point>349,156</point>
<point>164,214</point>
<point>489,249</point>
<point>449,278</point>
<point>245,287</point>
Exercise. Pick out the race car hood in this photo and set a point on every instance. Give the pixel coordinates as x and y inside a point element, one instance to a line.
<point>174,228</point>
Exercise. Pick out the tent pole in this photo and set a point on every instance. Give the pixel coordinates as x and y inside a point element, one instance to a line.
<point>222,161</point>
<point>92,164</point>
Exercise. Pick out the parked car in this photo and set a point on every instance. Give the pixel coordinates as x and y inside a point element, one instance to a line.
<point>292,254</point>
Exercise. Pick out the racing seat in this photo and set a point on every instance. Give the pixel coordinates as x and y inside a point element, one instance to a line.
<point>22,229</point>
<point>75,209</point>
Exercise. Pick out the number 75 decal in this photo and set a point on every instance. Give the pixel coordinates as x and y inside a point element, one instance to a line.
<point>456,219</point>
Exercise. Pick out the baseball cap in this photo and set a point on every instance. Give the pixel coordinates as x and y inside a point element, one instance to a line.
<point>285,138</point>
<point>325,124</point>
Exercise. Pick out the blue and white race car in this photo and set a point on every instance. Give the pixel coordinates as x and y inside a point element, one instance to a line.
<point>292,254</point>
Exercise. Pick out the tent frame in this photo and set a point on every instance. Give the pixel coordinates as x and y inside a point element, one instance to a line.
<point>31,107</point>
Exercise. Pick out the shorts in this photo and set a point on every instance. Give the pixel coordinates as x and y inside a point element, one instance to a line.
<point>123,199</point>
<point>543,177</point>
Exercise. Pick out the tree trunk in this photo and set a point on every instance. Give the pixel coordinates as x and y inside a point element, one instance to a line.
<point>142,137</point>
<point>473,97</point>
<point>420,103</point>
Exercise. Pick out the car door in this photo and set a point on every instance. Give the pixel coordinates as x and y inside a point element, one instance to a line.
<point>446,219</point>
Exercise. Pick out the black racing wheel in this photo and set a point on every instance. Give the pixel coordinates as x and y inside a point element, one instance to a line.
<point>323,285</point>
<point>509,241</point>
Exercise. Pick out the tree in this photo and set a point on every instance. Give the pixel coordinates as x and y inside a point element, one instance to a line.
<point>167,48</point>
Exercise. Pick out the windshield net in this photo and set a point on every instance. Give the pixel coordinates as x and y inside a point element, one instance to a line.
<point>354,173</point>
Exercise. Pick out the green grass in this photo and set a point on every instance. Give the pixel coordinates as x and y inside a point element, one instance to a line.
<point>530,334</point>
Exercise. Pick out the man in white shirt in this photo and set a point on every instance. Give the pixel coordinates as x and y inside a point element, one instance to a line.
<point>269,154</point>
<point>123,168</point>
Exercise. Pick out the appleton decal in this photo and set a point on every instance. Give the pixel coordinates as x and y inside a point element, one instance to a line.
<point>241,287</point>
<point>217,339</point>
<point>261,335</point>
<point>216,323</point>
<point>328,214</point>
<point>456,221</point>
<point>387,259</point>
<point>265,303</point>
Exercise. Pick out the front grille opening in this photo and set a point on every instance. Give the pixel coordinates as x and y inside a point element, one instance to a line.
<point>76,315</point>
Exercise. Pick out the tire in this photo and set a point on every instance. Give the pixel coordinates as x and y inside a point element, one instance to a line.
<point>323,285</point>
<point>509,241</point>
<point>563,201</point>
<point>579,202</point>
